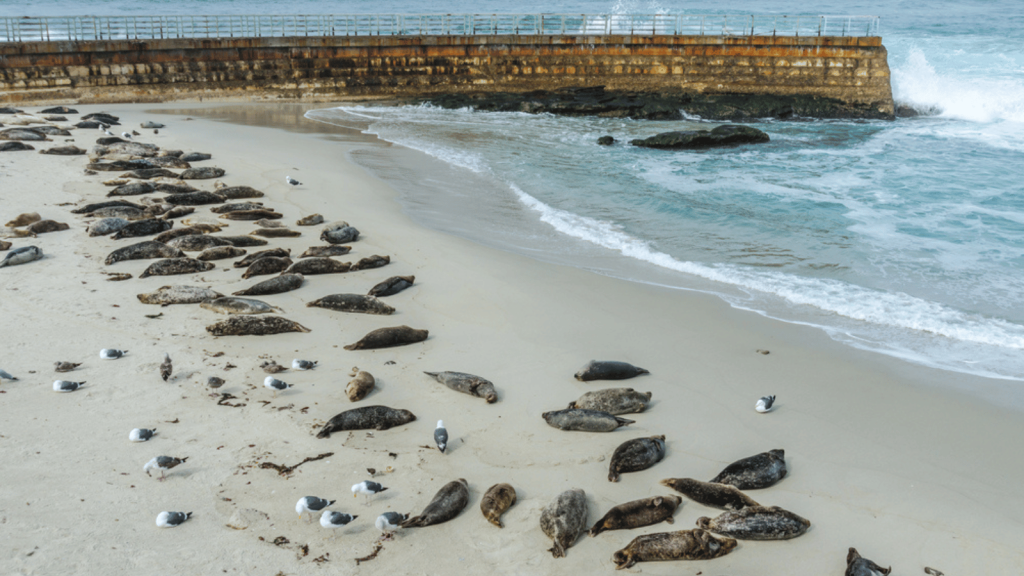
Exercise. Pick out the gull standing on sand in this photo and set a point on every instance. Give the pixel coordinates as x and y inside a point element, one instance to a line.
<point>388,522</point>
<point>126,136</point>
<point>331,519</point>
<point>275,384</point>
<point>311,504</point>
<point>108,132</point>
<point>163,464</point>
<point>65,366</point>
<point>303,364</point>
<point>141,434</point>
<point>165,368</point>
<point>367,488</point>
<point>65,386</point>
<point>441,436</point>
<point>765,404</point>
<point>5,375</point>
<point>171,519</point>
<point>112,353</point>
<point>292,181</point>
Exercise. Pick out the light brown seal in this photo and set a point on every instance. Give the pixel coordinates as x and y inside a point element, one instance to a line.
<point>467,384</point>
<point>449,501</point>
<point>614,401</point>
<point>254,326</point>
<point>694,544</point>
<point>360,386</point>
<point>46,226</point>
<point>638,513</point>
<point>24,220</point>
<point>564,519</point>
<point>758,471</point>
<point>388,337</point>
<point>635,455</point>
<point>366,418</point>
<point>711,494</point>
<point>756,523</point>
<point>856,565</point>
<point>496,501</point>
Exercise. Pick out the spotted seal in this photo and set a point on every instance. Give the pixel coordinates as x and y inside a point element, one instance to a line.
<point>108,204</point>
<point>178,212</point>
<point>24,220</point>
<point>360,386</point>
<point>311,266</point>
<point>132,189</point>
<point>324,251</point>
<point>711,494</point>
<point>254,326</point>
<point>264,223</point>
<point>392,286</point>
<point>584,420</point>
<point>614,401</point>
<point>608,370</point>
<point>635,455</point>
<point>638,513</point>
<point>756,523</point>
<point>272,253</point>
<point>172,266</point>
<point>105,226</point>
<point>236,207</point>
<point>449,501</point>
<point>694,544</point>
<point>245,241</point>
<point>564,519</point>
<point>146,250</point>
<point>46,226</point>
<point>388,337</point>
<point>230,305</point>
<point>311,220</point>
<point>357,303</point>
<point>147,227</point>
<point>197,242</point>
<point>167,295</point>
<point>758,471</point>
<point>496,501</point>
<point>278,285</point>
<point>467,384</point>
<point>369,262</point>
<point>22,255</point>
<point>252,214</point>
<point>268,265</point>
<point>856,565</point>
<point>342,235</point>
<point>239,192</point>
<point>276,233</point>
<point>126,212</point>
<point>366,418</point>
<point>220,253</point>
<point>198,198</point>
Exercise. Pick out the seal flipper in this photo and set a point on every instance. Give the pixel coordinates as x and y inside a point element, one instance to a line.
<point>624,422</point>
<point>558,551</point>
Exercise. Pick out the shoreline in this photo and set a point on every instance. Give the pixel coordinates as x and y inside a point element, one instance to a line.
<point>861,431</point>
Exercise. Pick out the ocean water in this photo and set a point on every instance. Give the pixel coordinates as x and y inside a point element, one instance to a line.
<point>905,237</point>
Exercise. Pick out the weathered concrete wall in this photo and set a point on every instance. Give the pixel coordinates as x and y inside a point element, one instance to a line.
<point>853,70</point>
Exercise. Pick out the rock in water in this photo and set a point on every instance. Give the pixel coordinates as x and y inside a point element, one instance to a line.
<point>758,471</point>
<point>564,519</point>
<point>451,499</point>
<point>694,544</point>
<point>725,135</point>
<point>352,303</point>
<point>254,326</point>
<point>388,337</point>
<point>366,418</point>
<point>756,523</point>
<point>467,384</point>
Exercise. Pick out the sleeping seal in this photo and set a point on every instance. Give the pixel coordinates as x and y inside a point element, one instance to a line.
<point>496,501</point>
<point>254,326</point>
<point>276,233</point>
<point>45,226</point>
<point>614,401</point>
<point>220,253</point>
<point>236,207</point>
<point>360,386</point>
<point>635,455</point>
<point>272,253</point>
<point>342,235</point>
<point>311,220</point>
<point>756,523</point>
<point>388,337</point>
<point>564,519</point>
<point>467,384</point>
<point>600,370</point>
<point>22,255</point>
<point>369,262</point>
<point>584,420</point>
<point>759,471</point>
<point>172,266</point>
<point>312,266</point>
<point>325,251</point>
<point>147,250</point>
<point>229,305</point>
<point>197,242</point>
<point>278,285</point>
<point>856,565</point>
<point>694,544</point>
<point>366,418</point>
<point>711,494</point>
<point>268,265</point>
<point>638,513</point>
<point>166,295</point>
<point>451,499</point>
<point>357,303</point>
<point>147,227</point>
<point>251,214</point>
<point>392,286</point>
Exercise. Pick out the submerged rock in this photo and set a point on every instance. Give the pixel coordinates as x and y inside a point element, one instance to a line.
<point>606,141</point>
<point>726,135</point>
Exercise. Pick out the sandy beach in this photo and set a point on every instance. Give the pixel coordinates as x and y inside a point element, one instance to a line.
<point>914,467</point>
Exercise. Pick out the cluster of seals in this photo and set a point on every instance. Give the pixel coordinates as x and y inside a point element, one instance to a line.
<point>584,420</point>
<point>564,519</point>
<point>758,471</point>
<point>254,326</point>
<point>856,565</point>
<point>231,305</point>
<point>635,455</point>
<point>173,266</point>
<point>311,266</point>
<point>467,384</point>
<point>614,401</point>
<point>272,253</point>
<point>267,265</point>
<point>22,255</point>
<point>167,295</point>
<point>608,370</point>
<point>694,544</point>
<point>756,523</point>
<point>147,250</point>
<point>389,337</point>
<point>278,285</point>
<point>325,251</point>
<point>392,286</point>
<point>711,494</point>
<point>357,303</point>
<point>496,501</point>
<point>360,386</point>
<point>366,418</point>
<point>449,501</point>
<point>637,514</point>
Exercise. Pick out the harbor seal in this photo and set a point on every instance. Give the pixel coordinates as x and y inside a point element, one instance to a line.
<point>165,237</point>
<point>132,189</point>
<point>564,519</point>
<point>268,265</point>
<point>199,198</point>
<point>758,471</point>
<point>276,233</point>
<point>230,305</point>
<point>251,214</point>
<point>584,420</point>
<point>360,386</point>
<point>167,295</point>
<point>311,266</point>
<point>173,266</point>
<point>236,207</point>
<point>366,418</point>
<point>105,226</point>
<point>147,227</point>
<point>220,253</point>
<point>856,565</point>
<point>264,223</point>
<point>254,326</point>
<point>608,370</point>
<point>311,220</point>
<point>449,501</point>
<point>239,192</point>
<point>204,173</point>
<point>324,251</point>
<point>388,337</point>
<point>147,250</point>
<point>467,384</point>
<point>711,494</point>
<point>272,253</point>
<point>614,401</point>
<point>245,241</point>
<point>108,204</point>
<point>281,284</point>
<point>756,523</point>
<point>342,235</point>
<point>635,455</point>
<point>197,242</point>
<point>126,212</point>
<point>22,255</point>
<point>637,514</point>
<point>4,245</point>
<point>24,220</point>
<point>392,286</point>
<point>178,212</point>
<point>496,501</point>
<point>46,226</point>
<point>357,303</point>
<point>369,262</point>
<point>694,544</point>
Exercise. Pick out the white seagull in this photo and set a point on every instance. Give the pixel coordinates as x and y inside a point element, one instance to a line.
<point>108,132</point>
<point>331,519</point>
<point>765,404</point>
<point>311,504</point>
<point>441,436</point>
<point>65,386</point>
<point>126,136</point>
<point>292,181</point>
<point>304,364</point>
<point>275,384</point>
<point>171,519</point>
<point>388,522</point>
<point>163,464</point>
<point>141,434</point>
<point>367,488</point>
<point>112,353</point>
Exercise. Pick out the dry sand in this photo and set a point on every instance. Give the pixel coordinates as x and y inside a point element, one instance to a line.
<point>887,457</point>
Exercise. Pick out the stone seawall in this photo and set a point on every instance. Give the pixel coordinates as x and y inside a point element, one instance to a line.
<point>853,71</point>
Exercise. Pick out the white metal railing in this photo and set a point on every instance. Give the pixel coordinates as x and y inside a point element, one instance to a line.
<point>85,28</point>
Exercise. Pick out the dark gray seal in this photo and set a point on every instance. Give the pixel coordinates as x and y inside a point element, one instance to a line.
<point>584,420</point>
<point>166,237</point>
<point>635,455</point>
<point>275,233</point>
<point>254,326</point>
<point>366,418</point>
<point>232,305</point>
<point>108,204</point>
<point>467,384</point>
<point>150,173</point>
<point>251,214</point>
<point>132,189</point>
<point>342,235</point>
<point>45,226</point>
<point>197,242</point>
<point>178,212</point>
<point>236,207</point>
<point>614,401</point>
<point>200,198</point>
<point>369,262</point>
<point>694,544</point>
<point>325,251</point>
<point>172,266</point>
<point>281,284</point>
<point>220,253</point>
<point>388,337</point>
<point>16,146</point>
<point>496,501</point>
<point>756,523</point>
<point>608,370</point>
<point>167,295</point>
<point>564,519</point>
<point>147,250</point>
<point>637,514</point>
<point>360,386</point>
<point>22,255</point>
<point>311,266</point>
<point>245,241</point>
<point>449,501</point>
<point>269,265</point>
<point>239,192</point>
<point>759,471</point>
<point>357,303</point>
<point>204,173</point>
<point>68,150</point>
<point>146,227</point>
<point>392,286</point>
<point>856,565</point>
<point>711,494</point>
<point>272,253</point>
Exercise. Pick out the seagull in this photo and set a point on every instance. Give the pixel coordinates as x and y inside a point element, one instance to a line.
<point>163,464</point>
<point>303,364</point>
<point>367,488</point>
<point>275,384</point>
<point>65,386</point>
<point>292,181</point>
<point>65,366</point>
<point>102,127</point>
<point>388,522</point>
<point>5,375</point>
<point>272,367</point>
<point>311,504</point>
<point>165,368</point>
<point>441,436</point>
<point>141,434</point>
<point>108,132</point>
<point>331,519</point>
<point>765,404</point>
<point>214,382</point>
<point>126,136</point>
<point>172,519</point>
<point>112,354</point>
<point>134,133</point>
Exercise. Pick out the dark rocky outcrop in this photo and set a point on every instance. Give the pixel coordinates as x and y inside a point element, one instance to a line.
<point>726,135</point>
<point>606,141</point>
